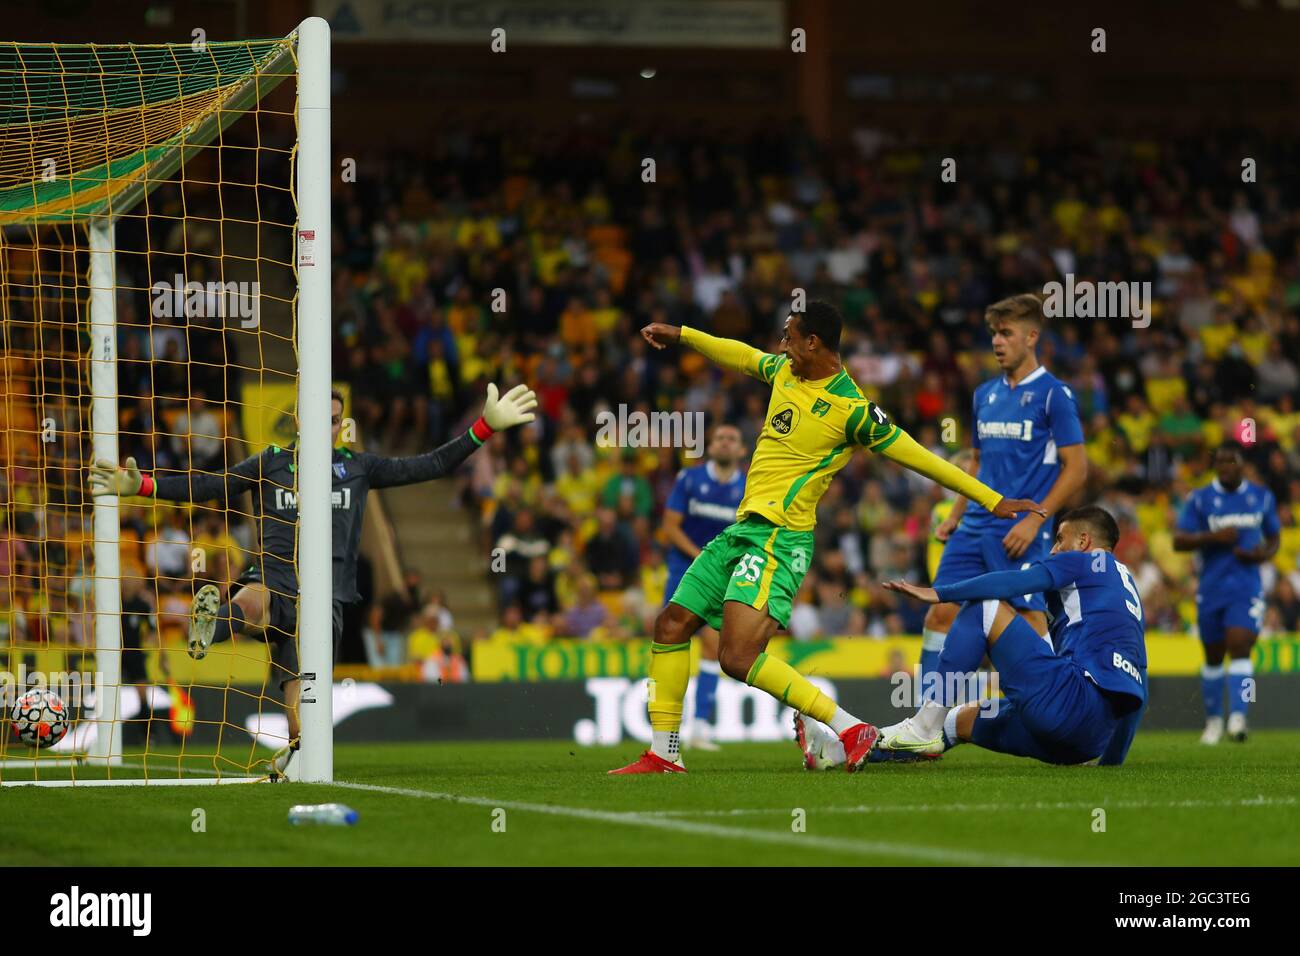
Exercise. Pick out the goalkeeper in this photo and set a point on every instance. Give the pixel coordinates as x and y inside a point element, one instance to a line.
<point>264,598</point>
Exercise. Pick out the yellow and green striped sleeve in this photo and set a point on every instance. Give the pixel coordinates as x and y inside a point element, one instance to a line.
<point>732,354</point>
<point>769,365</point>
<point>870,427</point>
<point>905,450</point>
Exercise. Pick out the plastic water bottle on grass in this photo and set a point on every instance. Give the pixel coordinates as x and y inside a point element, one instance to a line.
<point>332,814</point>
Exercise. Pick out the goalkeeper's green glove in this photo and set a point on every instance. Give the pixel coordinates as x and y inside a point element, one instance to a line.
<point>108,479</point>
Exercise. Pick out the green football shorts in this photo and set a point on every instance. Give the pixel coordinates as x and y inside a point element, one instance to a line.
<point>754,562</point>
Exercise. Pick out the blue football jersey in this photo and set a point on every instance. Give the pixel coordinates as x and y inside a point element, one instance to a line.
<point>1095,618</point>
<point>706,504</point>
<point>1018,432</point>
<point>1249,508</point>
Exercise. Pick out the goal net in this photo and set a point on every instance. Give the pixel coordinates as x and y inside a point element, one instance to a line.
<point>164,296</point>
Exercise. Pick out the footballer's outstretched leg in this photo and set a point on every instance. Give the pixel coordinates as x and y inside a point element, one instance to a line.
<point>963,650</point>
<point>742,653</point>
<point>212,622</point>
<point>822,750</point>
<point>203,620</point>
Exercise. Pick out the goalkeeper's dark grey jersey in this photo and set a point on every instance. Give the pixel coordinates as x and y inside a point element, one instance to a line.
<point>270,477</point>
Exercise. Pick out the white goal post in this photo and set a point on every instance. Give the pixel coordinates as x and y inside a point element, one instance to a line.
<point>315,512</point>
<point>106,748</point>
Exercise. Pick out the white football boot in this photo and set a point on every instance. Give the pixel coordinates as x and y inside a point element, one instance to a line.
<point>822,749</point>
<point>700,739</point>
<point>203,620</point>
<point>1213,731</point>
<point>1237,728</point>
<point>903,737</point>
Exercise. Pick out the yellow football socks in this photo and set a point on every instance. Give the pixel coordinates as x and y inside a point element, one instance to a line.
<point>790,687</point>
<point>670,671</point>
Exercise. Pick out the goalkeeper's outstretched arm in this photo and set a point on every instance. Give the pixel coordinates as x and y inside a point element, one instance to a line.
<point>515,407</point>
<point>106,478</point>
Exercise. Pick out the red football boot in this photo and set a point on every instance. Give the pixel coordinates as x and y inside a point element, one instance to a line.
<point>858,741</point>
<point>651,762</point>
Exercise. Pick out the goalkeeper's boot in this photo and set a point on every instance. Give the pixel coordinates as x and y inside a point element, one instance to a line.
<point>278,764</point>
<point>821,749</point>
<point>651,762</point>
<point>1237,728</point>
<point>203,620</point>
<point>903,737</point>
<point>858,741</point>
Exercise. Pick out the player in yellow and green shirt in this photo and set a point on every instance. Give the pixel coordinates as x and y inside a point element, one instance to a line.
<point>744,581</point>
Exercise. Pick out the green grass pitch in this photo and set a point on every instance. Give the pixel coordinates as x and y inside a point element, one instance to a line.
<point>1174,803</point>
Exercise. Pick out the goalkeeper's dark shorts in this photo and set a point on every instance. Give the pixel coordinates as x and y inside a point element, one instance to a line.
<point>282,625</point>
<point>133,666</point>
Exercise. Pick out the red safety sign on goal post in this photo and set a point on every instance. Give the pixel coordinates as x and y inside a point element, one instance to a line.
<point>306,248</point>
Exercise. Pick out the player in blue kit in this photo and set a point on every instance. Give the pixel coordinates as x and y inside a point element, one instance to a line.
<point>1026,439</point>
<point>1233,525</point>
<point>703,502</point>
<point>1078,702</point>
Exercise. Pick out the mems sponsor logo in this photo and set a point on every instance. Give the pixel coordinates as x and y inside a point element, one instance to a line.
<point>288,501</point>
<point>1016,431</point>
<point>1251,519</point>
<point>77,909</point>
<point>707,509</point>
<point>741,712</point>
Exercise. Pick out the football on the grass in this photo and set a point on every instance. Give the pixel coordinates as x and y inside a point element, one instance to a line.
<point>39,718</point>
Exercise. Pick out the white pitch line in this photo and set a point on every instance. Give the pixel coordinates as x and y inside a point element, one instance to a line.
<point>197,771</point>
<point>133,782</point>
<point>853,847</point>
<point>158,779</point>
<point>1259,801</point>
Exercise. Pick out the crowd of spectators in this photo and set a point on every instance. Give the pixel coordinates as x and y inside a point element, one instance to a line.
<point>528,255</point>
<point>534,255</point>
<point>177,411</point>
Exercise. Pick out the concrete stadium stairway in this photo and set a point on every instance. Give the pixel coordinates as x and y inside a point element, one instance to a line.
<point>440,540</point>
